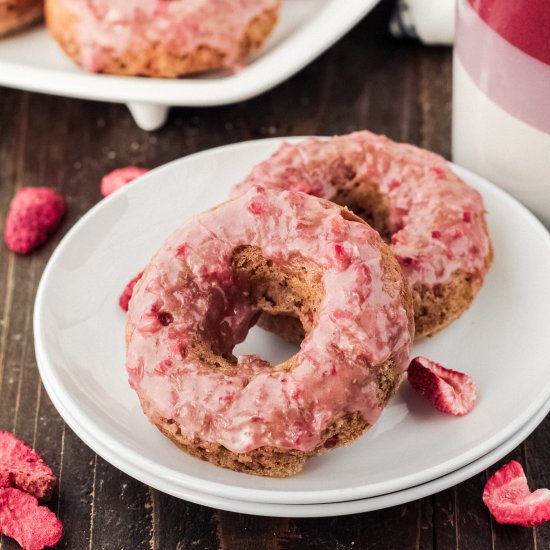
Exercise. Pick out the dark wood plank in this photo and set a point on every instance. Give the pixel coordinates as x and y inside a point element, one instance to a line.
<point>180,525</point>
<point>407,526</point>
<point>461,519</point>
<point>435,100</point>
<point>121,516</point>
<point>251,533</point>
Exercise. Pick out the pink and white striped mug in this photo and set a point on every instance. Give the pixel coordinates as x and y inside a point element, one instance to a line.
<point>501,96</point>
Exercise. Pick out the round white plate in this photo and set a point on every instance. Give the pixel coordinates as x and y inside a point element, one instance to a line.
<point>330,508</point>
<point>31,60</point>
<point>79,330</point>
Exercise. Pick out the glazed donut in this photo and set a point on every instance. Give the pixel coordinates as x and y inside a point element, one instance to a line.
<point>16,14</point>
<point>434,222</point>
<point>280,255</point>
<point>160,38</point>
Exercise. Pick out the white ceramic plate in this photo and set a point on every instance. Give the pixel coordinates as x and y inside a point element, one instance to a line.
<point>502,341</point>
<point>31,60</point>
<point>331,508</point>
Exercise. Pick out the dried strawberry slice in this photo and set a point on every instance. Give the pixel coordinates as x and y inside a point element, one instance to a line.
<point>448,390</point>
<point>126,295</point>
<point>509,500</point>
<point>23,467</point>
<point>34,214</point>
<point>116,179</point>
<point>22,519</point>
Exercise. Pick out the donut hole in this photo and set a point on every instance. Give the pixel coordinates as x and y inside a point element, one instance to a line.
<point>286,296</point>
<point>269,347</point>
<point>366,201</point>
<point>282,298</point>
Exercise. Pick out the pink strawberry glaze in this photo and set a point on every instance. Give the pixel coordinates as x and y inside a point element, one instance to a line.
<point>361,322</point>
<point>436,219</point>
<point>184,25</point>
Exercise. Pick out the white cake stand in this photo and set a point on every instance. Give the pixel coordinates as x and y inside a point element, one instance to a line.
<point>32,61</point>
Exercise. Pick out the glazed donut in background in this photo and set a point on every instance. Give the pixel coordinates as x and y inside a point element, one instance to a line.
<point>434,222</point>
<point>16,14</point>
<point>160,38</point>
<point>280,255</point>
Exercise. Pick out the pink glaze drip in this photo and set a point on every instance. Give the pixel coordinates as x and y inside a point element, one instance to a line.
<point>436,219</point>
<point>183,25</point>
<point>360,324</point>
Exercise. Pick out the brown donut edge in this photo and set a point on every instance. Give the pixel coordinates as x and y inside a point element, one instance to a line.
<point>15,15</point>
<point>435,307</point>
<point>276,462</point>
<point>155,59</point>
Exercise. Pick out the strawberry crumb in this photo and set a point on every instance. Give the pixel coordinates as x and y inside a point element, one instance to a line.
<point>181,250</point>
<point>163,367</point>
<point>467,217</point>
<point>509,500</point>
<point>448,390</point>
<point>256,208</point>
<point>126,295</point>
<point>436,234</point>
<point>34,214</point>
<point>393,184</point>
<point>457,234</point>
<point>438,171</point>
<point>342,257</point>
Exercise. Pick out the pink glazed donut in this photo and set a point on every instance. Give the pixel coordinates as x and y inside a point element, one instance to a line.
<point>17,14</point>
<point>434,222</point>
<point>280,255</point>
<point>160,38</point>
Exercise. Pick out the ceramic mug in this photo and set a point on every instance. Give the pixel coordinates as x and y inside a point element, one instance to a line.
<point>501,96</point>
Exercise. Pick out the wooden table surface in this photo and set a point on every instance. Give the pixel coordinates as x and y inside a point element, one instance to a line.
<point>368,80</point>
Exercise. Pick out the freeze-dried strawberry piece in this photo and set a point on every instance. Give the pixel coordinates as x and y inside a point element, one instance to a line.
<point>118,178</point>
<point>33,215</point>
<point>23,467</point>
<point>509,500</point>
<point>21,518</point>
<point>124,299</point>
<point>448,390</point>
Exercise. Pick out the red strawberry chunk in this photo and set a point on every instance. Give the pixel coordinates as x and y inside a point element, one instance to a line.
<point>448,390</point>
<point>342,258</point>
<point>23,468</point>
<point>22,519</point>
<point>126,295</point>
<point>509,500</point>
<point>33,215</point>
<point>256,207</point>
<point>116,179</point>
